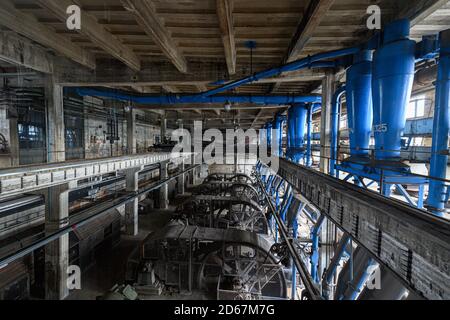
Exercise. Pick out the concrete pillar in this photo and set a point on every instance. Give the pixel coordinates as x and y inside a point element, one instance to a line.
<point>14,137</point>
<point>56,146</point>
<point>57,252</point>
<point>192,177</point>
<point>164,190</point>
<point>131,132</point>
<point>163,128</point>
<point>132,208</point>
<point>87,131</point>
<point>328,87</point>
<point>181,179</point>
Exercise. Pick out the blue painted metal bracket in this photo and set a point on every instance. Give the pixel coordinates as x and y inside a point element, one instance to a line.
<point>332,268</point>
<point>358,285</point>
<point>315,236</point>
<point>414,128</point>
<point>376,174</point>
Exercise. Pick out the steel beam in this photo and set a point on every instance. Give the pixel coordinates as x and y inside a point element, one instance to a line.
<point>87,216</point>
<point>307,281</point>
<point>15,181</point>
<point>412,243</point>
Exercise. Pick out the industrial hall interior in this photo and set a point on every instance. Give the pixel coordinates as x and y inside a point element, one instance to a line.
<point>250,150</point>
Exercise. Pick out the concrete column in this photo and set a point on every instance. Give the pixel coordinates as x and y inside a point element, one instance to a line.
<point>191,177</point>
<point>181,179</point>
<point>163,128</point>
<point>164,190</point>
<point>197,159</point>
<point>328,87</point>
<point>56,146</point>
<point>14,137</point>
<point>131,132</point>
<point>57,252</point>
<point>132,208</point>
<point>87,133</point>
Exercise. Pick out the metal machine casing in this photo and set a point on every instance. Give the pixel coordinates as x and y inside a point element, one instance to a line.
<point>359,104</point>
<point>393,76</point>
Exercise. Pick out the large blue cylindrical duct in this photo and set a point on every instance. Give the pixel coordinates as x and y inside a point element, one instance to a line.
<point>297,116</point>
<point>441,130</point>
<point>393,76</point>
<point>277,126</point>
<point>359,104</point>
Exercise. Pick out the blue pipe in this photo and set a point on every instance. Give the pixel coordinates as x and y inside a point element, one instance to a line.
<point>290,134</point>
<point>269,183</point>
<point>293,66</point>
<point>315,236</point>
<point>198,98</point>
<point>392,82</point>
<point>277,193</point>
<point>278,131</point>
<point>331,270</point>
<point>285,207</point>
<point>294,268</point>
<point>359,286</point>
<point>288,205</point>
<point>359,104</point>
<point>335,111</point>
<point>269,135</point>
<point>297,116</point>
<point>441,130</point>
<point>309,160</point>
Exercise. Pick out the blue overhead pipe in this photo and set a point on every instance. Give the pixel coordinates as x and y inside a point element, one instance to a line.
<point>335,111</point>
<point>196,98</point>
<point>314,65</point>
<point>392,82</point>
<point>441,130</point>
<point>293,66</point>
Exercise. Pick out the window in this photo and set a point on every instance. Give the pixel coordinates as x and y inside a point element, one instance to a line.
<point>416,108</point>
<point>343,122</point>
<point>74,126</point>
<point>32,135</point>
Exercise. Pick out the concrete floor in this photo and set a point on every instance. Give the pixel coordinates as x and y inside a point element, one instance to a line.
<point>110,268</point>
